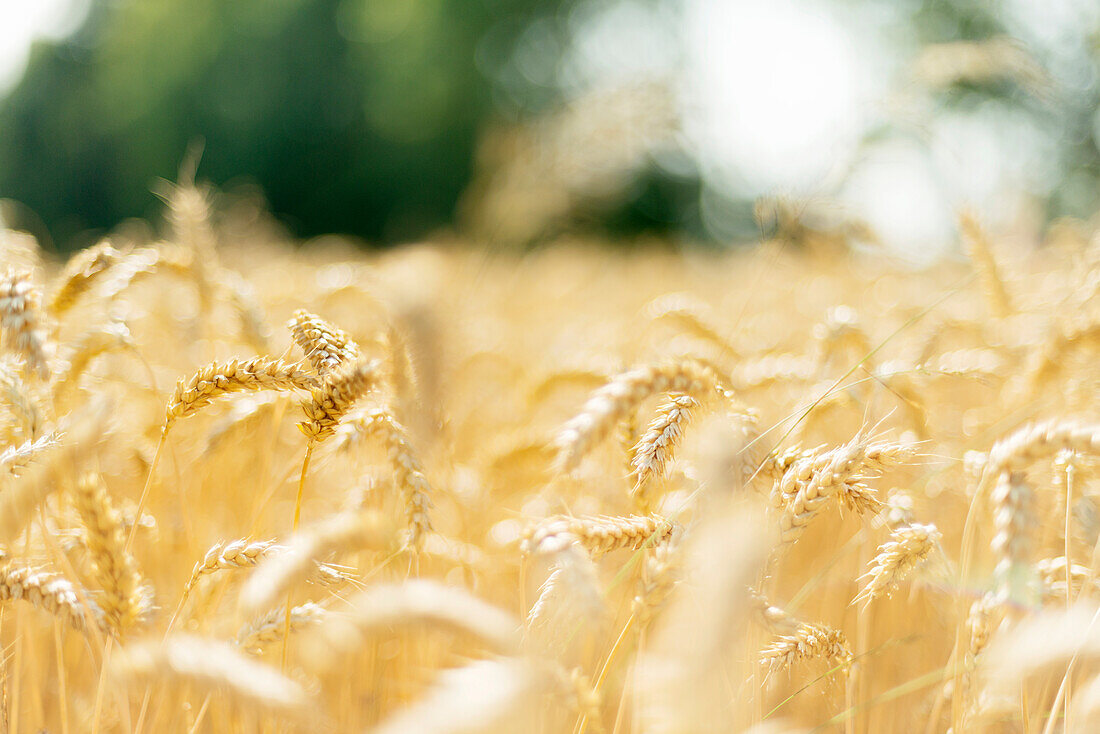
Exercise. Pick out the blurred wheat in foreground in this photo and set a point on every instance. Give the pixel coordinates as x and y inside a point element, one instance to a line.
<point>574,491</point>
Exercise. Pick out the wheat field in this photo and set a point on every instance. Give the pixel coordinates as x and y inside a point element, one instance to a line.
<point>253,488</point>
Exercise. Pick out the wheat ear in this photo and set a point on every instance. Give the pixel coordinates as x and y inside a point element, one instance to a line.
<point>338,394</point>
<point>408,472</point>
<point>114,569</point>
<point>22,321</point>
<point>808,642</point>
<point>1014,522</point>
<point>22,403</point>
<point>245,554</point>
<point>896,559</point>
<point>80,273</point>
<point>211,666</point>
<point>482,697</point>
<point>49,592</point>
<point>654,449</point>
<point>15,459</point>
<point>222,378</point>
<point>346,531</point>
<point>325,346</point>
<point>597,534</point>
<point>257,635</point>
<point>980,251</point>
<point>422,603</point>
<point>609,404</point>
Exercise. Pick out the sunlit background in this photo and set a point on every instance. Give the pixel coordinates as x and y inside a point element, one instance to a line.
<point>514,122</point>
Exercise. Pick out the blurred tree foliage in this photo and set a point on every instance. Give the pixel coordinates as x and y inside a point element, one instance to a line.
<point>353,116</point>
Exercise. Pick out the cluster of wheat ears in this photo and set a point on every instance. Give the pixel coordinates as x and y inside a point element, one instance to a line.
<point>573,491</point>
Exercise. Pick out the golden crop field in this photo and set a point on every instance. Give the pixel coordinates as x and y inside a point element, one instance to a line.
<point>252,488</point>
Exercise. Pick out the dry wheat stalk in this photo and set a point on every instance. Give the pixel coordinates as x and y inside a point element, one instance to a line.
<point>483,697</point>
<point>22,322</point>
<point>222,378</point>
<point>408,472</point>
<point>336,396</point>
<point>80,273</point>
<point>49,592</point>
<point>325,346</point>
<point>896,559</point>
<point>257,635</point>
<point>808,642</point>
<point>343,532</point>
<point>597,534</point>
<point>113,568</point>
<point>422,603</point>
<point>212,666</point>
<point>612,402</point>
